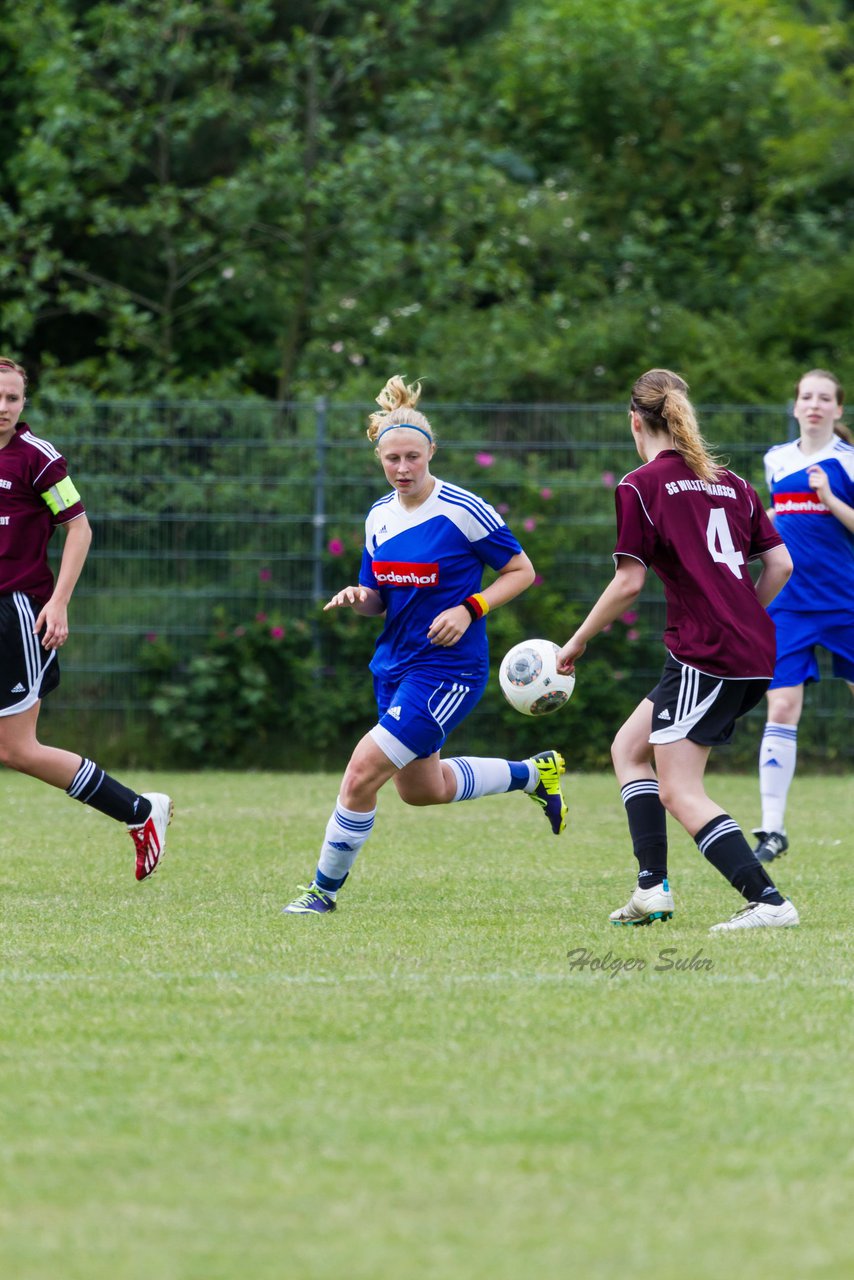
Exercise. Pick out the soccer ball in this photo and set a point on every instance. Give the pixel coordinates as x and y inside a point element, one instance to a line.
<point>530,680</point>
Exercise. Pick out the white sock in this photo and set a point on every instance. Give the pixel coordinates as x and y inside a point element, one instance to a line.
<point>481,776</point>
<point>778,754</point>
<point>346,832</point>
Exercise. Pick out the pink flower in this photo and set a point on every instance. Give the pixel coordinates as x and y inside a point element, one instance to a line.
<point>335,547</point>
<point>608,479</point>
<point>630,616</point>
<point>260,617</point>
<point>545,493</point>
<point>277,632</point>
<point>605,630</point>
<point>150,637</point>
<point>484,459</point>
<point>538,579</point>
<point>240,631</point>
<point>265,574</point>
<point>633,634</point>
<point>529,524</point>
<point>502,508</point>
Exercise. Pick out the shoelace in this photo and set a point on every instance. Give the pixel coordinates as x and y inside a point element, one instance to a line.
<point>307,894</point>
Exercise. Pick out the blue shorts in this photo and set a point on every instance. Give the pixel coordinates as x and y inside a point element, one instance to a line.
<point>418,713</point>
<point>797,636</point>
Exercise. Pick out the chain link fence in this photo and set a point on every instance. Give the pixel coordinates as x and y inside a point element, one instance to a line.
<point>210,511</point>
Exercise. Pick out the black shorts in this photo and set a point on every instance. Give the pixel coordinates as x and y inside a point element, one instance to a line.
<point>686,703</point>
<point>27,671</point>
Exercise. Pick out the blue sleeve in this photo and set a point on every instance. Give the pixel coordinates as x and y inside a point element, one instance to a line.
<point>497,547</point>
<point>366,572</point>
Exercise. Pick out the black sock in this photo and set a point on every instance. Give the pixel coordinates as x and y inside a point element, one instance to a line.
<point>92,786</point>
<point>648,828</point>
<point>722,842</point>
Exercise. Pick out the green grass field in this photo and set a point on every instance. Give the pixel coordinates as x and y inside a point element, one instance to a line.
<point>195,1087</point>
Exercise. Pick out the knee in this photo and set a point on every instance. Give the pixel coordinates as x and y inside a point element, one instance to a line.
<point>784,706</point>
<point>357,785</point>
<point>628,749</point>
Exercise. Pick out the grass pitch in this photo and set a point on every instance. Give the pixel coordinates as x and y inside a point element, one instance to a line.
<point>465,1073</point>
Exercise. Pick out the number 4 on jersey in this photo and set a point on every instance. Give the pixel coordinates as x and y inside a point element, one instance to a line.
<point>720,543</point>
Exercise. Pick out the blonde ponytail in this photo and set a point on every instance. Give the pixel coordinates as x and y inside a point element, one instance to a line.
<point>397,402</point>
<point>660,397</point>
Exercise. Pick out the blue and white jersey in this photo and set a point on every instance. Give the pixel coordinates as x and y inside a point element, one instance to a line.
<point>425,561</point>
<point>822,549</point>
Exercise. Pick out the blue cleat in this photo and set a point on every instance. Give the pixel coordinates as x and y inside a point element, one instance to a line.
<point>311,901</point>
<point>770,845</point>
<point>547,793</point>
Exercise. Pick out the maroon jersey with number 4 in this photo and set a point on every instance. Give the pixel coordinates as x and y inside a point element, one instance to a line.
<point>35,496</point>
<point>698,537</point>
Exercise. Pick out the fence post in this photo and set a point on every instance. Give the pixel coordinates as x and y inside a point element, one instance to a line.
<point>321,406</point>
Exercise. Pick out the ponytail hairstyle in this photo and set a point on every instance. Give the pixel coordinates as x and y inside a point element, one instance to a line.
<point>839,428</point>
<point>660,397</point>
<point>10,366</point>
<point>397,403</point>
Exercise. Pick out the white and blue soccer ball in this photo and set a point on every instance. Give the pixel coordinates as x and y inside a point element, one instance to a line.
<point>530,680</point>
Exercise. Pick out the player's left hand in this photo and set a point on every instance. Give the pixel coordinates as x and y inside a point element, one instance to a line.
<point>54,619</point>
<point>447,627</point>
<point>819,481</point>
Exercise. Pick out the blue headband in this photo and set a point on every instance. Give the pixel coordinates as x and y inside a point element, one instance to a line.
<point>410,426</point>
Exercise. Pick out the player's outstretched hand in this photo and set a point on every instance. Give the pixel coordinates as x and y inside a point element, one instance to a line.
<point>569,655</point>
<point>347,596</point>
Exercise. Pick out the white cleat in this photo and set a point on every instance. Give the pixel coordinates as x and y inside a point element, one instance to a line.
<point>149,837</point>
<point>761,915</point>
<point>646,905</point>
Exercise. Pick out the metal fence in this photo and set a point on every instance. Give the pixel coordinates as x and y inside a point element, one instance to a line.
<point>249,507</point>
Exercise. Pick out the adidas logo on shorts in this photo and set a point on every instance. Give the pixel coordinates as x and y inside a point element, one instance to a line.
<point>394,711</point>
<point>19,688</point>
<point>663,715</point>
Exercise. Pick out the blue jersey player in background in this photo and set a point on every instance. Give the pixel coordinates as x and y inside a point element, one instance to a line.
<point>427,544</point>
<point>811,480</point>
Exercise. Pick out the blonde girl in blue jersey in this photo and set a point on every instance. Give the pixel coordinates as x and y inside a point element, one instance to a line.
<point>427,543</point>
<point>811,481</point>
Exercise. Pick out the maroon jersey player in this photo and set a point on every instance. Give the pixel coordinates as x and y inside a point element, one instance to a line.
<point>697,526</point>
<point>37,496</point>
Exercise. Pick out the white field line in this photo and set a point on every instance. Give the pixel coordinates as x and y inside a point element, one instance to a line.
<point>654,966</point>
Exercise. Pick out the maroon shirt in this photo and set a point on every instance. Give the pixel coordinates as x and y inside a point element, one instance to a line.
<point>698,538</point>
<point>29,468</point>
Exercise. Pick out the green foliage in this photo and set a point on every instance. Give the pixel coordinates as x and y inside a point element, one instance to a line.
<point>523,202</point>
<point>228,702</point>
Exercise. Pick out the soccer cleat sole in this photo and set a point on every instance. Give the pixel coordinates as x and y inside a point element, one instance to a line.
<point>653,915</point>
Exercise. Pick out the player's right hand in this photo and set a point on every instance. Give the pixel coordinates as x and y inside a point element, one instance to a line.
<point>347,596</point>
